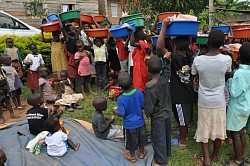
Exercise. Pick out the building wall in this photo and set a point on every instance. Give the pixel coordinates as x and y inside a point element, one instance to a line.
<point>17,9</point>
<point>114,20</point>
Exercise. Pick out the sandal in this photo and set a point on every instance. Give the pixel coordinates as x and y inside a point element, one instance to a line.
<point>200,160</point>
<point>128,157</point>
<point>142,155</point>
<point>233,163</point>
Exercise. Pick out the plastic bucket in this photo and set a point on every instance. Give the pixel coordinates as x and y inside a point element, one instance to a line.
<point>129,17</point>
<point>86,18</point>
<point>139,22</point>
<point>99,18</point>
<point>164,15</point>
<point>121,30</point>
<point>45,20</point>
<point>240,26</point>
<point>51,26</point>
<point>69,15</point>
<point>241,33</point>
<point>224,28</point>
<point>154,40</point>
<point>202,40</point>
<point>52,17</point>
<point>98,32</point>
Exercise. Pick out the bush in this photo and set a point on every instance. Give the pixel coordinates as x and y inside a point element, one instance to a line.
<point>22,44</point>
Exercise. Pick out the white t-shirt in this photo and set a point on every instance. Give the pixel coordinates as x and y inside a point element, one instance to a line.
<point>56,145</point>
<point>84,38</point>
<point>37,60</point>
<point>211,71</point>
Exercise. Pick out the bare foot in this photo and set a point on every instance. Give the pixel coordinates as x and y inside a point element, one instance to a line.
<point>2,121</point>
<point>14,116</point>
<point>77,147</point>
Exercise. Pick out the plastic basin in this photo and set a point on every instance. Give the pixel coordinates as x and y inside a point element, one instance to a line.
<point>129,17</point>
<point>121,30</point>
<point>224,28</point>
<point>99,18</point>
<point>52,17</point>
<point>202,40</point>
<point>69,15</point>
<point>241,33</point>
<point>154,40</point>
<point>98,32</point>
<point>51,26</point>
<point>86,18</point>
<point>105,23</point>
<point>139,22</point>
<point>240,26</point>
<point>181,28</point>
<point>164,15</point>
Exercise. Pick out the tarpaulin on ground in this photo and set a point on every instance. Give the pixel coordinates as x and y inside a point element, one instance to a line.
<point>93,151</point>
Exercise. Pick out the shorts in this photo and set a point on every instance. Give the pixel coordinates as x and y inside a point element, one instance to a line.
<point>183,113</point>
<point>85,79</point>
<point>135,138</point>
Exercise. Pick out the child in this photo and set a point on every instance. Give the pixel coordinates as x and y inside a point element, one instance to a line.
<point>36,115</point>
<point>34,60</point>
<point>122,53</point>
<point>47,91</point>
<point>101,125</point>
<point>140,72</point>
<point>181,88</point>
<point>58,58</point>
<point>130,105</point>
<point>238,112</point>
<point>71,35</point>
<point>57,141</point>
<point>14,53</point>
<point>14,81</point>
<point>113,60</point>
<point>4,97</point>
<point>158,107</point>
<point>83,61</point>
<point>100,52</point>
<point>114,89</point>
<point>211,69</point>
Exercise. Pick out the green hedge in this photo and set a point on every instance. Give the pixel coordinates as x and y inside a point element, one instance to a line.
<point>22,44</point>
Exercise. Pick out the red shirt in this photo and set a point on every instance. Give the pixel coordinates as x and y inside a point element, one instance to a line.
<point>122,53</point>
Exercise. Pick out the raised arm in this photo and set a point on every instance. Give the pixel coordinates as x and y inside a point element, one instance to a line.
<point>132,39</point>
<point>160,47</point>
<point>65,35</point>
<point>154,27</point>
<point>79,30</point>
<point>42,37</point>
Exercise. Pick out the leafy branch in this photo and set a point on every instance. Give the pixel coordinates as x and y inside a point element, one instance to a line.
<point>35,7</point>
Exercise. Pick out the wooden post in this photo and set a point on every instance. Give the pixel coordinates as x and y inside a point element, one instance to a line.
<point>211,9</point>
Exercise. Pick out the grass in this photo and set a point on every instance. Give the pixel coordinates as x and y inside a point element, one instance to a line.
<point>180,156</point>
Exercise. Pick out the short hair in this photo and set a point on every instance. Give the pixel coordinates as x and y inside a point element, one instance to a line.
<point>41,68</point>
<point>67,27</point>
<point>124,80</point>
<point>140,35</point>
<point>154,65</point>
<point>4,58</point>
<point>244,53</point>
<point>8,39</point>
<point>99,38</point>
<point>56,32</point>
<point>30,45</point>
<point>216,38</point>
<point>79,42</point>
<point>113,76</point>
<point>51,124</point>
<point>182,43</point>
<point>34,98</point>
<point>98,102</point>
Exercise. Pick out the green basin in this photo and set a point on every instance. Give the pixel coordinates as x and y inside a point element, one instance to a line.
<point>73,14</point>
<point>202,40</point>
<point>139,22</point>
<point>105,23</point>
<point>129,17</point>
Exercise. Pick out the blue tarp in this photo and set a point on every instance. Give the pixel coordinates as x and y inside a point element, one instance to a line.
<point>92,152</point>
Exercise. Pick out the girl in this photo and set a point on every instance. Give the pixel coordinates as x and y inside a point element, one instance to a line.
<point>34,60</point>
<point>14,81</point>
<point>58,58</point>
<point>238,112</point>
<point>71,35</point>
<point>14,53</point>
<point>83,61</point>
<point>57,141</point>
<point>100,52</point>
<point>115,90</point>
<point>114,63</point>
<point>140,72</point>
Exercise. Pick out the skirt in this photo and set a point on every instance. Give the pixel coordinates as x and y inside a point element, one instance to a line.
<point>211,124</point>
<point>33,80</point>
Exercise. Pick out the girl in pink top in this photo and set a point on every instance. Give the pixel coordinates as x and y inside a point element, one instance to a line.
<point>83,61</point>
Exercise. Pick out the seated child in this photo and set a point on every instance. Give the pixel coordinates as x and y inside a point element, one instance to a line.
<point>114,89</point>
<point>101,125</point>
<point>36,115</point>
<point>130,105</point>
<point>57,141</point>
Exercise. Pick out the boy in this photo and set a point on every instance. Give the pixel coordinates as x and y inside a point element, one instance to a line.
<point>102,126</point>
<point>130,105</point>
<point>211,69</point>
<point>36,115</point>
<point>158,107</point>
<point>181,88</point>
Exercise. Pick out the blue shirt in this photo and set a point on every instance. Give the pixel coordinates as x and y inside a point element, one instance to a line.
<point>130,106</point>
<point>239,103</point>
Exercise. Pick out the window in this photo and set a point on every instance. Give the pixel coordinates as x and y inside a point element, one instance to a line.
<point>114,9</point>
<point>9,23</point>
<point>67,7</point>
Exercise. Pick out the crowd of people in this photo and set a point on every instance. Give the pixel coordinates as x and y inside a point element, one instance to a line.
<point>128,63</point>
